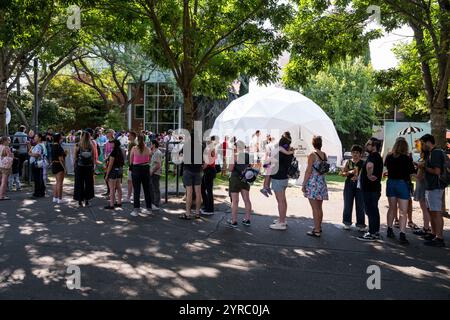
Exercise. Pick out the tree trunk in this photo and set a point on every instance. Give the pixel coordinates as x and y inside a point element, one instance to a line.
<point>3,104</point>
<point>188,100</point>
<point>438,117</point>
<point>19,112</point>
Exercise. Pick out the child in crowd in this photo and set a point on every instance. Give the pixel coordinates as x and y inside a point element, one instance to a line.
<point>14,177</point>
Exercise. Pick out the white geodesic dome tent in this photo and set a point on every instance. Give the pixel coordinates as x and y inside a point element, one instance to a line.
<point>274,111</point>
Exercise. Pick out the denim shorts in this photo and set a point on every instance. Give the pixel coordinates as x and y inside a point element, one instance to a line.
<point>116,173</point>
<point>398,189</point>
<point>279,185</point>
<point>434,200</point>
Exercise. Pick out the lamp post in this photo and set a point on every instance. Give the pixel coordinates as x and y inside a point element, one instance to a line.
<point>36,95</point>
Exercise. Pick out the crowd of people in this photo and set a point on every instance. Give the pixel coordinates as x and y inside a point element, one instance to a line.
<point>140,152</point>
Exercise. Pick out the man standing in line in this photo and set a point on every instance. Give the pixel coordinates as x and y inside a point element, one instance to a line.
<point>370,179</point>
<point>433,166</point>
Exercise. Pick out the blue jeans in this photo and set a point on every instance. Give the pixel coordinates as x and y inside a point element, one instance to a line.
<point>373,214</point>
<point>353,195</point>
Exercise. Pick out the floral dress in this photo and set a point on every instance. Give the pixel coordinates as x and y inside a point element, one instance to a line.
<point>316,187</point>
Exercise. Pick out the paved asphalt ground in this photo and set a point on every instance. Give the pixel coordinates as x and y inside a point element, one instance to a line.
<point>162,257</point>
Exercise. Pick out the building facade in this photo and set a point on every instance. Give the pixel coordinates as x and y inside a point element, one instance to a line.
<point>157,104</point>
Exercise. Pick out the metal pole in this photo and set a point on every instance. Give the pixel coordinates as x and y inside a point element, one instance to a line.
<point>167,173</point>
<point>178,179</point>
<point>36,95</point>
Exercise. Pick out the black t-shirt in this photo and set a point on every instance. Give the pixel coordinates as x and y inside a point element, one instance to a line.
<point>435,159</point>
<point>284,161</point>
<point>242,162</point>
<point>366,184</point>
<point>190,162</point>
<point>117,154</point>
<point>399,168</point>
<point>57,151</point>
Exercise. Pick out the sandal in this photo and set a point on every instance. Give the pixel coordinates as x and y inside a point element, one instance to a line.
<point>314,234</point>
<point>413,226</point>
<point>184,216</point>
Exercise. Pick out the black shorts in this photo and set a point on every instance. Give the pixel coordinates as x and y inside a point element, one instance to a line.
<point>116,173</point>
<point>57,168</point>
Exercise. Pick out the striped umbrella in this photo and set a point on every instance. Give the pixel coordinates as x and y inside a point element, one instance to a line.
<point>410,130</point>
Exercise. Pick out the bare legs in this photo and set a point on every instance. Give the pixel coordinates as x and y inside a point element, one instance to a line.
<point>316,206</point>
<point>235,205</point>
<point>282,205</point>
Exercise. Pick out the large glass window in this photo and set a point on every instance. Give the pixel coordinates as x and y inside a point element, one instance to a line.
<point>139,111</point>
<point>161,110</point>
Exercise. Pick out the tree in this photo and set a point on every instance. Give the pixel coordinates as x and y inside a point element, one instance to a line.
<point>26,27</point>
<point>109,67</point>
<point>323,33</point>
<point>401,87</point>
<point>346,93</point>
<point>209,41</point>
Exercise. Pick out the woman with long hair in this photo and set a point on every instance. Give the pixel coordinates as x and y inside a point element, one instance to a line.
<point>400,168</point>
<point>84,170</point>
<point>38,162</point>
<point>140,175</point>
<point>58,167</point>
<point>6,157</point>
<point>315,186</point>
<point>279,170</point>
<point>114,175</point>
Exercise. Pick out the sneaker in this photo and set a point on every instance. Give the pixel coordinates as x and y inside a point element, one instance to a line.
<point>145,212</point>
<point>108,207</point>
<point>276,221</point>
<point>347,227</point>
<point>155,208</point>
<point>390,233</point>
<point>206,213</point>
<point>231,224</point>
<point>422,232</point>
<point>367,237</point>
<point>362,229</point>
<point>429,236</point>
<point>278,226</point>
<point>264,192</point>
<point>134,213</point>
<point>436,242</point>
<point>246,223</point>
<point>55,200</point>
<point>118,205</point>
<point>59,201</point>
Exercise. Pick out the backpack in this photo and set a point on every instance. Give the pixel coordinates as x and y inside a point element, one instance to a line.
<point>293,171</point>
<point>85,158</point>
<point>5,161</point>
<point>324,166</point>
<point>444,178</point>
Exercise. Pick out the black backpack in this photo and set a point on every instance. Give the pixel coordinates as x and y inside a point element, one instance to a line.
<point>444,178</point>
<point>293,170</point>
<point>324,166</point>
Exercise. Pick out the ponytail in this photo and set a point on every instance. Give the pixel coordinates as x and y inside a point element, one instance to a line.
<point>141,143</point>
